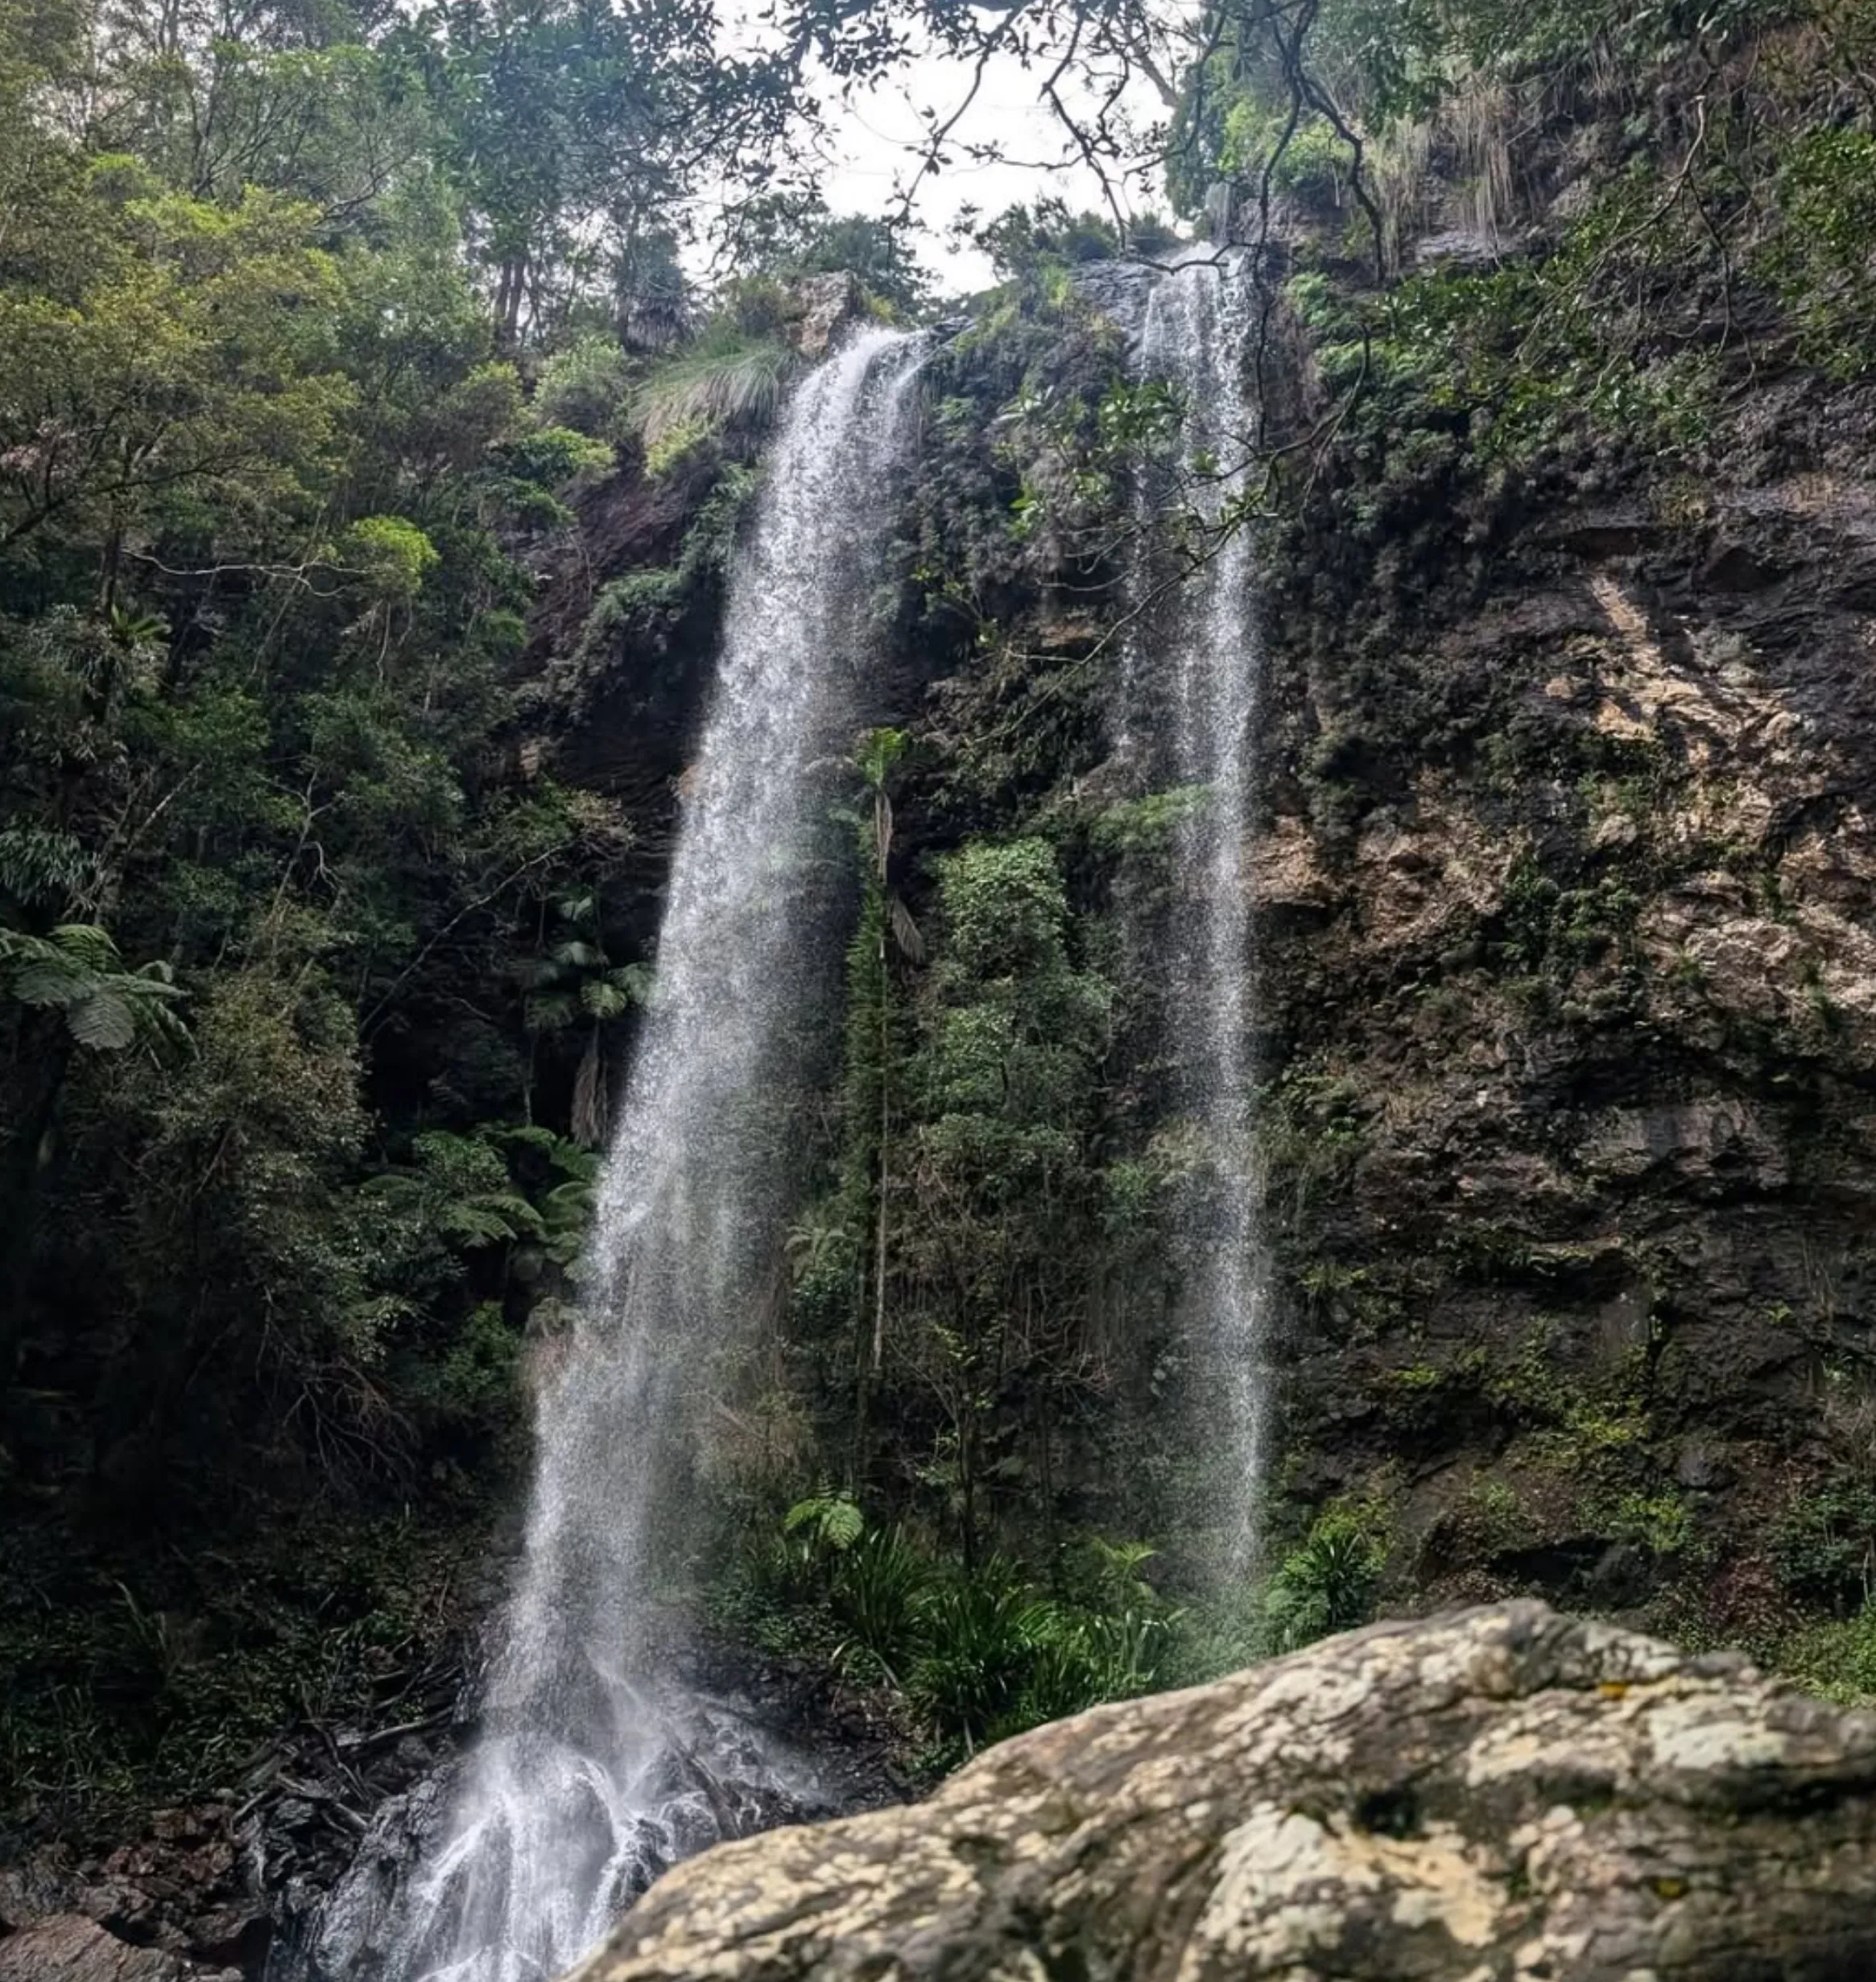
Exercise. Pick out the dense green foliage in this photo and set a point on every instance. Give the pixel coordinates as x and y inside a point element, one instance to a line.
<point>304,1000</point>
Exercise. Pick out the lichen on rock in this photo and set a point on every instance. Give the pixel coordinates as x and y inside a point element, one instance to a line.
<point>1494,1795</point>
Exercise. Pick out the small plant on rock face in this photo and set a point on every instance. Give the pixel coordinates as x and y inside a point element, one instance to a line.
<point>1327,1583</point>
<point>1824,1547</point>
<point>1659,1522</point>
<point>1836,1660</point>
<point>1499,1514</point>
<point>728,382</point>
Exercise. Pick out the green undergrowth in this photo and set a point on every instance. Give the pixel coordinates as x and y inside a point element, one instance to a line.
<point>139,1678</point>
<point>964,1654</point>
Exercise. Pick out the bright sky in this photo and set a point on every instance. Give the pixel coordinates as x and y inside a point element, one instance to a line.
<point>872,153</point>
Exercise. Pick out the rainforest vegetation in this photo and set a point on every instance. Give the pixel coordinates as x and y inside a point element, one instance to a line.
<point>332,836</point>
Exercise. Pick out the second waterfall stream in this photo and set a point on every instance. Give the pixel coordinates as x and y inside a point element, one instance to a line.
<point>585,1777</point>
<point>1191,710</point>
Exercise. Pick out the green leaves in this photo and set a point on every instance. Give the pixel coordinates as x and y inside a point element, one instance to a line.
<point>77,971</point>
<point>164,350</point>
<point>391,555</point>
<point>1819,256</point>
<point>1327,1584</point>
<point>460,1187</point>
<point>833,1519</point>
<point>977,1653</point>
<point>524,1187</point>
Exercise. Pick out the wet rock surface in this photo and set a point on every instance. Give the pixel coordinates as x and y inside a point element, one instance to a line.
<point>726,1773</point>
<point>1498,1794</point>
<point>179,1899</point>
<point>297,1878</point>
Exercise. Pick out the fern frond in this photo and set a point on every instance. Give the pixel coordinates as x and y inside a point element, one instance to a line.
<point>87,945</point>
<point>103,1020</point>
<point>531,1136</point>
<point>52,980</point>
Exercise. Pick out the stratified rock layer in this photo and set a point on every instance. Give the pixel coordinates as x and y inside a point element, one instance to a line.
<point>1492,1795</point>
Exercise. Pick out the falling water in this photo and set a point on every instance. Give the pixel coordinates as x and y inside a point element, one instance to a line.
<point>1196,666</point>
<point>587,1776</point>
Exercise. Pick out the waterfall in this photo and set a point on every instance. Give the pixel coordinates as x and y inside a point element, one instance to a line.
<point>1193,671</point>
<point>588,1777</point>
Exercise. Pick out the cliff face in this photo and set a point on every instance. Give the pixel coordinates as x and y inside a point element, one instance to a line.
<point>1569,977</point>
<point>1562,871</point>
<point>1572,1153</point>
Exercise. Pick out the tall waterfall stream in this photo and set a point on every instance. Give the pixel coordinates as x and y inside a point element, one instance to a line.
<point>594,1770</point>
<point>594,1767</point>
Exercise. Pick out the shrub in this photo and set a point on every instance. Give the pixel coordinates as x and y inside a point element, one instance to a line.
<point>1836,1660</point>
<point>977,1653</point>
<point>583,387</point>
<point>1825,1546</point>
<point>1328,1583</point>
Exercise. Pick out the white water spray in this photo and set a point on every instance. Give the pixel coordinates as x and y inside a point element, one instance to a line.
<point>587,1777</point>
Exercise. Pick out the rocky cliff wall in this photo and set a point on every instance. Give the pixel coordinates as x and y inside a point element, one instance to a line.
<point>1566,878</point>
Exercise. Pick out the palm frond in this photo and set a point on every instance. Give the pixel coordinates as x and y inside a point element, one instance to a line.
<point>575,955</point>
<point>603,999</point>
<point>552,1013</point>
<point>589,1097</point>
<point>906,931</point>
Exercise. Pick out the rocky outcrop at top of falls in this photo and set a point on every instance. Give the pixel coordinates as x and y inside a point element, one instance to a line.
<point>1491,1795</point>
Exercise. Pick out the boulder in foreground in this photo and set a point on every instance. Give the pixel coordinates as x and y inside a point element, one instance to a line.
<point>1496,1795</point>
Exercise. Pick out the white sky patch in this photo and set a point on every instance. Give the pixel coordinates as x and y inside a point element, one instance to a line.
<point>875,152</point>
<point>876,142</point>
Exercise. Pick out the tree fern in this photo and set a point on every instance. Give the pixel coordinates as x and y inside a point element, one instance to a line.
<point>77,971</point>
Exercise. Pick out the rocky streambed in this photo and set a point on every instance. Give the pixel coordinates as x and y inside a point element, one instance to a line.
<point>294,1874</point>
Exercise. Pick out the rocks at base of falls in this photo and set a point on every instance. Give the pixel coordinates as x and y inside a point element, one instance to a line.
<point>1487,1796</point>
<point>296,1876</point>
<point>724,1773</point>
<point>179,1900</point>
<point>67,1947</point>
